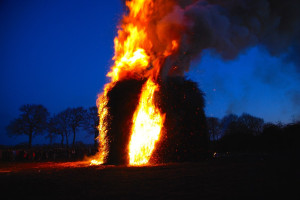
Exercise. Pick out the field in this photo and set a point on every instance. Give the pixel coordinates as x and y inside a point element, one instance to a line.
<point>210,179</point>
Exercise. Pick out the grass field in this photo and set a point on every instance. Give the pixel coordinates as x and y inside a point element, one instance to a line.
<point>211,179</point>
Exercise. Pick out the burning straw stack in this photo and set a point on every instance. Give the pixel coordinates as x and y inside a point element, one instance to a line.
<point>184,136</point>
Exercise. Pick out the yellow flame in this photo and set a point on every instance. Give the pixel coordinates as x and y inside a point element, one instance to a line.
<point>139,54</point>
<point>147,124</point>
<point>102,101</point>
<point>130,54</point>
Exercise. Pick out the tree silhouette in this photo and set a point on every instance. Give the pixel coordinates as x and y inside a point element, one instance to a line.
<point>66,122</point>
<point>228,122</point>
<point>75,120</point>
<point>292,132</point>
<point>91,123</point>
<point>273,137</point>
<point>50,136</point>
<point>55,126</point>
<point>32,121</point>
<point>214,127</point>
<point>63,125</point>
<point>238,132</point>
<point>253,124</point>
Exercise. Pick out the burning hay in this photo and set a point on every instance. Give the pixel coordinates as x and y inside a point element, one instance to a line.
<point>123,100</point>
<point>183,137</point>
<point>141,119</point>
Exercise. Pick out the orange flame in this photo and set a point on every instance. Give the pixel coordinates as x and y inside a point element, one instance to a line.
<point>141,48</point>
<point>147,124</point>
<point>102,138</point>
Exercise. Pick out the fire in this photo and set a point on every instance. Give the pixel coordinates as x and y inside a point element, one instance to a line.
<point>103,113</point>
<point>130,55</point>
<point>140,51</point>
<point>147,124</point>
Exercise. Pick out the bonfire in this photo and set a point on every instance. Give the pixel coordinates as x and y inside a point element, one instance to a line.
<point>148,111</point>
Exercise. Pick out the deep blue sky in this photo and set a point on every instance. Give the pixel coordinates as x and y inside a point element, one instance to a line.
<point>57,53</point>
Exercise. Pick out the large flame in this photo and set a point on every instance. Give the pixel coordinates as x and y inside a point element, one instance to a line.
<point>140,52</point>
<point>147,124</point>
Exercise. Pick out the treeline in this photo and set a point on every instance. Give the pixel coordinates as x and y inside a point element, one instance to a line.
<point>36,120</point>
<point>246,133</point>
<point>232,133</point>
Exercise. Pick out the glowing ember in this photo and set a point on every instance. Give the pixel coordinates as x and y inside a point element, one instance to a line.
<point>147,124</point>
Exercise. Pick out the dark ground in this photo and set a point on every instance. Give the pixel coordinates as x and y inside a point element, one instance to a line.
<point>212,179</point>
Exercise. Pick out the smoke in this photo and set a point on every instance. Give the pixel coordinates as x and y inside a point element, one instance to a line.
<point>226,28</point>
<point>229,27</point>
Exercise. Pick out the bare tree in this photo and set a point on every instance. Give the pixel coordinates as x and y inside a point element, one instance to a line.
<point>75,120</point>
<point>50,136</point>
<point>55,127</point>
<point>91,123</point>
<point>63,118</point>
<point>214,127</point>
<point>67,122</point>
<point>253,124</point>
<point>32,121</point>
<point>229,123</point>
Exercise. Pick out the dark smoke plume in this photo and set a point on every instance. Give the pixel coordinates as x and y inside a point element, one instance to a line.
<point>229,27</point>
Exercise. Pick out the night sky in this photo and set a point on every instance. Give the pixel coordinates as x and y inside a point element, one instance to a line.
<point>57,54</point>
